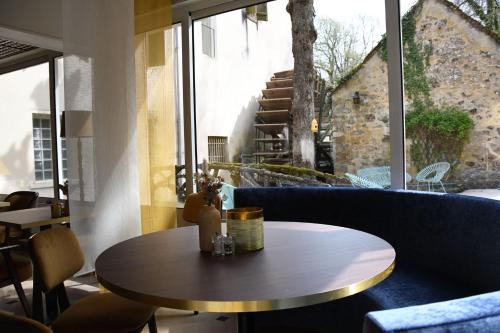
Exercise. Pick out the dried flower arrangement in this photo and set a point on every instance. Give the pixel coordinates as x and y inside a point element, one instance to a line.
<point>208,185</point>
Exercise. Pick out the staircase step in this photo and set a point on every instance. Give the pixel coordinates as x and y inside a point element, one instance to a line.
<point>282,74</point>
<point>274,116</point>
<point>271,140</point>
<point>276,104</point>
<point>273,129</point>
<point>285,83</point>
<point>278,92</point>
<point>272,153</point>
<point>281,78</point>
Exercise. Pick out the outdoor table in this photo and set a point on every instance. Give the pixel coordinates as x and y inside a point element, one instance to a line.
<point>301,264</point>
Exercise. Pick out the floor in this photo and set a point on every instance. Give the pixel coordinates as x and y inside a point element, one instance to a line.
<point>484,193</point>
<point>168,320</point>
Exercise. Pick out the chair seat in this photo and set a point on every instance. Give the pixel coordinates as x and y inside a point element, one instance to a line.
<point>22,265</point>
<point>102,313</point>
<point>11,323</point>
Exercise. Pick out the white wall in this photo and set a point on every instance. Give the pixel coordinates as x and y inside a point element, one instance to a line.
<point>22,93</point>
<point>228,86</point>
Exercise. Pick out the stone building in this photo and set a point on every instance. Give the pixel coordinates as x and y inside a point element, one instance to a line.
<point>463,70</point>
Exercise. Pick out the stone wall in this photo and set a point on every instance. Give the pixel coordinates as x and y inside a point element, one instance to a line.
<point>464,69</point>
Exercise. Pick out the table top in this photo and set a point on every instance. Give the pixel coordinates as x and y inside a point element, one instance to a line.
<point>4,204</point>
<point>301,264</point>
<point>30,218</point>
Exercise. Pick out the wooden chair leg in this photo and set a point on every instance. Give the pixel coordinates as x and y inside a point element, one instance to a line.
<point>17,284</point>
<point>51,305</point>
<point>37,298</point>
<point>152,324</point>
<point>62,298</point>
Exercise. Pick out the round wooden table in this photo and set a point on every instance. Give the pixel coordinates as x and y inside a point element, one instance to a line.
<point>301,264</point>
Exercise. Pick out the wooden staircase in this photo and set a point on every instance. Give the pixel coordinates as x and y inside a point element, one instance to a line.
<point>273,123</point>
<point>273,120</point>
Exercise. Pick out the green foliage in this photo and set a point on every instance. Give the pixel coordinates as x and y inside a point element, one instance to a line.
<point>438,134</point>
<point>234,169</point>
<point>416,60</point>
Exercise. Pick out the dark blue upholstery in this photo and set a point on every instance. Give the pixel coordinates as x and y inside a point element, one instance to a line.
<point>446,245</point>
<point>480,313</point>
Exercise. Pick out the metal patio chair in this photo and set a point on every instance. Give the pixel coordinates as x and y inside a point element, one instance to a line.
<point>380,175</point>
<point>227,196</point>
<point>361,182</point>
<point>433,174</point>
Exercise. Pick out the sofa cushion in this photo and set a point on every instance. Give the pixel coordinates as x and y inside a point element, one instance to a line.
<point>480,313</point>
<point>410,286</point>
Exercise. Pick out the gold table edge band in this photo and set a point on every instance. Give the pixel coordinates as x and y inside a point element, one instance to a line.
<point>250,306</point>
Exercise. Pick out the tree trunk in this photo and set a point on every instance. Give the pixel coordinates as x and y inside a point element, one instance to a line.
<point>303,37</point>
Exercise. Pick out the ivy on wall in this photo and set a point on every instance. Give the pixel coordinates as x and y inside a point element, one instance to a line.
<point>437,133</point>
<point>416,61</point>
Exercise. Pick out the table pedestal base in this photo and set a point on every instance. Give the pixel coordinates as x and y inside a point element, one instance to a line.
<point>246,322</point>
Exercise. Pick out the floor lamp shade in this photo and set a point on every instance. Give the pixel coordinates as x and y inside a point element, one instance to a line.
<point>78,124</point>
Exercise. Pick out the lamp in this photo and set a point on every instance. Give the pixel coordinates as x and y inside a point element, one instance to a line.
<point>314,126</point>
<point>79,125</point>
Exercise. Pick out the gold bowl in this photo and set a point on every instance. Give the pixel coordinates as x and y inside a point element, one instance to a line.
<point>247,228</point>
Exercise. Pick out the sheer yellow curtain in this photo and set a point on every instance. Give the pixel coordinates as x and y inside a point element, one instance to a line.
<point>155,113</point>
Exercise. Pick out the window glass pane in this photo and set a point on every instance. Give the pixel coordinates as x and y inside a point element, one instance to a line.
<point>244,97</point>
<point>451,98</point>
<point>26,140</point>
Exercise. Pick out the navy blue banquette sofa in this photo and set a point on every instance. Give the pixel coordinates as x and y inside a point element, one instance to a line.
<point>447,275</point>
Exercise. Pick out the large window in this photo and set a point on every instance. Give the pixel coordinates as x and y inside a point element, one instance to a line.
<point>246,94</point>
<point>244,97</point>
<point>26,132</point>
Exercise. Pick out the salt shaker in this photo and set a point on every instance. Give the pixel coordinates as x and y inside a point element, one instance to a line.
<point>218,244</point>
<point>228,245</point>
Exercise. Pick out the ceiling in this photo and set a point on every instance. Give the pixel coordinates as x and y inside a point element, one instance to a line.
<point>9,48</point>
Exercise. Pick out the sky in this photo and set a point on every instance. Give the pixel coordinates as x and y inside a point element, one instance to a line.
<point>348,11</point>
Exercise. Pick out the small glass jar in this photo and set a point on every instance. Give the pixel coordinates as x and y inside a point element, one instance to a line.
<point>228,245</point>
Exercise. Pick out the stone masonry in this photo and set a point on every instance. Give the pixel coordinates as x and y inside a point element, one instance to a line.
<point>464,70</point>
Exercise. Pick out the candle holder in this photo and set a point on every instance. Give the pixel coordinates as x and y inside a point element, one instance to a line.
<point>246,227</point>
